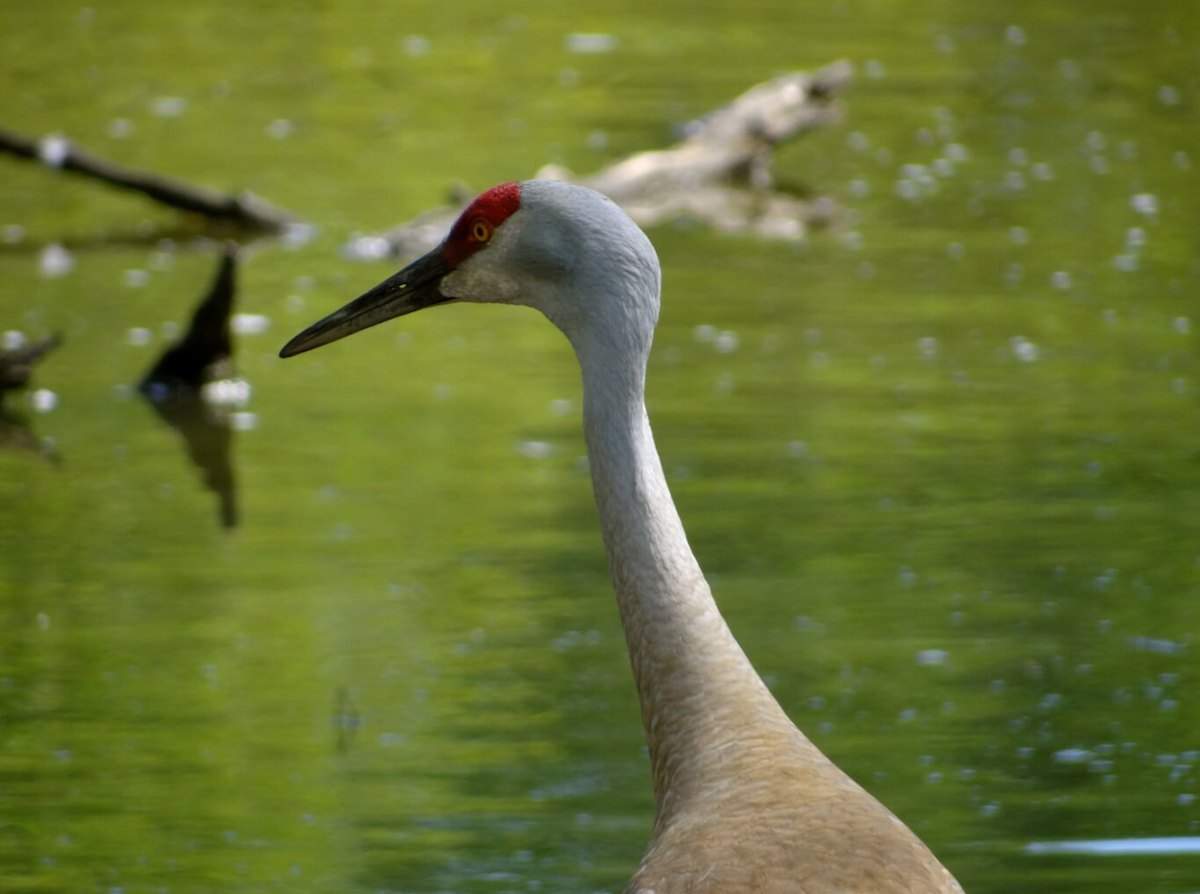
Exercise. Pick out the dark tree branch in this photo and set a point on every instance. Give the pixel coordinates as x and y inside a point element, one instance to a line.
<point>58,153</point>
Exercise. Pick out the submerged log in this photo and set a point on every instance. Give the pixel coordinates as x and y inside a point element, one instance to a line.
<point>16,364</point>
<point>204,353</point>
<point>719,174</point>
<point>16,369</point>
<point>243,209</point>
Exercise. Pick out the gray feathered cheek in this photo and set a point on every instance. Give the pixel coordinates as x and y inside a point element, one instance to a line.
<point>477,283</point>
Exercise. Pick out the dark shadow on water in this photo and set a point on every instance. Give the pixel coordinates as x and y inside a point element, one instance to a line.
<point>192,386</point>
<point>208,440</point>
<point>17,434</point>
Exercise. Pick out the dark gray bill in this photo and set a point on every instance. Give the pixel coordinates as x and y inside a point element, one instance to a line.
<point>414,287</point>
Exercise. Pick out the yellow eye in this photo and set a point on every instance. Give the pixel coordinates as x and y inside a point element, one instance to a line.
<point>481,230</point>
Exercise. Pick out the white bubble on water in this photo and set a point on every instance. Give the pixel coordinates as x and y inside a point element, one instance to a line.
<point>1145,203</point>
<point>1023,349</point>
<point>43,400</point>
<point>1071,756</point>
<point>726,342</point>
<point>415,45</point>
<point>859,188</point>
<point>1042,171</point>
<point>250,324</point>
<point>590,44</point>
<point>55,261</point>
<point>168,106</point>
<point>535,449</point>
<point>280,129</point>
<point>53,150</point>
<point>226,393</point>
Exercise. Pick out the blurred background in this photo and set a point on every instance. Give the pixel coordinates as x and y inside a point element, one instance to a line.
<point>939,460</point>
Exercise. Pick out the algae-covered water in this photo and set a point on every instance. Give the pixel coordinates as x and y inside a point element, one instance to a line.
<point>939,462</point>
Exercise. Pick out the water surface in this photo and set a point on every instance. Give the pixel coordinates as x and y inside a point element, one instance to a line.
<point>939,462</point>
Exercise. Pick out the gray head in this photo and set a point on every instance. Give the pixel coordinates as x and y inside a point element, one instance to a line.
<point>563,249</point>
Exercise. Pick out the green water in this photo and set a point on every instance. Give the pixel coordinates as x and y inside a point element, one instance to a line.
<point>939,463</point>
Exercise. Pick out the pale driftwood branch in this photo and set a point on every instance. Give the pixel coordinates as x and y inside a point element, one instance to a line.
<point>734,143</point>
<point>244,209</point>
<point>719,174</point>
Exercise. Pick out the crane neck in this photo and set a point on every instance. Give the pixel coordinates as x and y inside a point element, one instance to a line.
<point>703,706</point>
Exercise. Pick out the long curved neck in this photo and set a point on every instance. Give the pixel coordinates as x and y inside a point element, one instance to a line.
<point>703,706</point>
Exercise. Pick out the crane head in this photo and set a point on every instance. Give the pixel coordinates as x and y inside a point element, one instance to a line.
<point>564,249</point>
<point>418,284</point>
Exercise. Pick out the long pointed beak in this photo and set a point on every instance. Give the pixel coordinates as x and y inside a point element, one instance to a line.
<point>414,287</point>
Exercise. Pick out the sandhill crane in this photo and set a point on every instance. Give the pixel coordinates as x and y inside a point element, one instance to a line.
<point>744,802</point>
